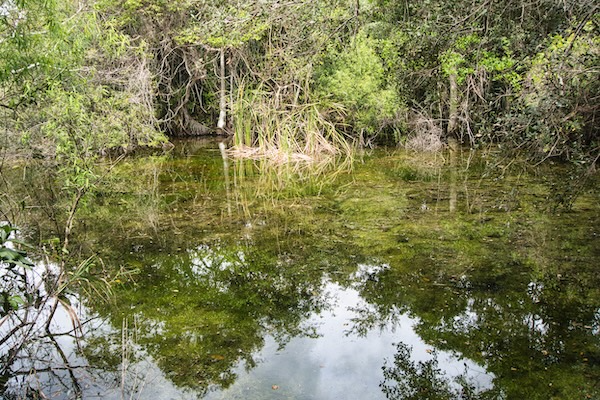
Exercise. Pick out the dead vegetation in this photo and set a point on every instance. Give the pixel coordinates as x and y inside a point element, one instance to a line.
<point>425,134</point>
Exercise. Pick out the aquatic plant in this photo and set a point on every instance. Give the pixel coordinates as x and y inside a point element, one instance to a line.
<point>283,129</point>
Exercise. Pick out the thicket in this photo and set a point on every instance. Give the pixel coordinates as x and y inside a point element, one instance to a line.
<point>522,73</point>
<point>86,77</point>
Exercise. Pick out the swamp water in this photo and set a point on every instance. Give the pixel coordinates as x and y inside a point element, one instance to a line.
<point>408,276</point>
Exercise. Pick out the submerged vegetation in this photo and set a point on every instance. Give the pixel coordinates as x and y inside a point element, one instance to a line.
<point>232,266</point>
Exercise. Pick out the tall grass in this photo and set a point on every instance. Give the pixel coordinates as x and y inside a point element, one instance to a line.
<point>267,126</point>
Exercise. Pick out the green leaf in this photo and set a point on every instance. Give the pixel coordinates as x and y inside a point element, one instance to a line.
<point>64,299</point>
<point>15,257</point>
<point>15,301</point>
<point>7,254</point>
<point>5,231</point>
<point>22,243</point>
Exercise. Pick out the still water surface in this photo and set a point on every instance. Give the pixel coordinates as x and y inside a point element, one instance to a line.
<point>399,277</point>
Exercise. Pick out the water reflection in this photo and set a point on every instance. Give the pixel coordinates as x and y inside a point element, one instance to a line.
<point>37,337</point>
<point>203,310</point>
<point>338,363</point>
<point>270,287</point>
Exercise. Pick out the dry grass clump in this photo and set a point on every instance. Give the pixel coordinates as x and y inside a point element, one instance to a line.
<point>284,149</point>
<point>272,153</point>
<point>426,134</point>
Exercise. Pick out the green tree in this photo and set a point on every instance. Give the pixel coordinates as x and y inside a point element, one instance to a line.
<point>355,77</point>
<point>469,65</point>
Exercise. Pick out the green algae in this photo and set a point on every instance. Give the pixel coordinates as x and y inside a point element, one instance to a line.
<point>283,236</point>
<point>482,253</point>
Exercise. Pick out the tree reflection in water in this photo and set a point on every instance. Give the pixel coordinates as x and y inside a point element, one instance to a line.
<point>405,379</point>
<point>494,282</point>
<point>36,340</point>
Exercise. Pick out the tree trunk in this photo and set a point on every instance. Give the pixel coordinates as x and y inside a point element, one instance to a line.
<point>453,113</point>
<point>223,97</point>
<point>453,146</point>
<point>223,149</point>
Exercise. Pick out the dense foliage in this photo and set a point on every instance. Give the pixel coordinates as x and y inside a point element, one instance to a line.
<point>85,77</point>
<point>69,83</point>
<point>518,72</point>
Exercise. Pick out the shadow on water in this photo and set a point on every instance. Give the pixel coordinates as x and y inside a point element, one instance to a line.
<point>404,277</point>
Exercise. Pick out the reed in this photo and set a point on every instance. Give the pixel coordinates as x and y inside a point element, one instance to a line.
<point>282,130</point>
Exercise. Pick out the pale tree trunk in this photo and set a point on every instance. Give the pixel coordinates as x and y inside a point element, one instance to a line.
<point>453,114</point>
<point>453,146</point>
<point>223,148</point>
<point>223,96</point>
